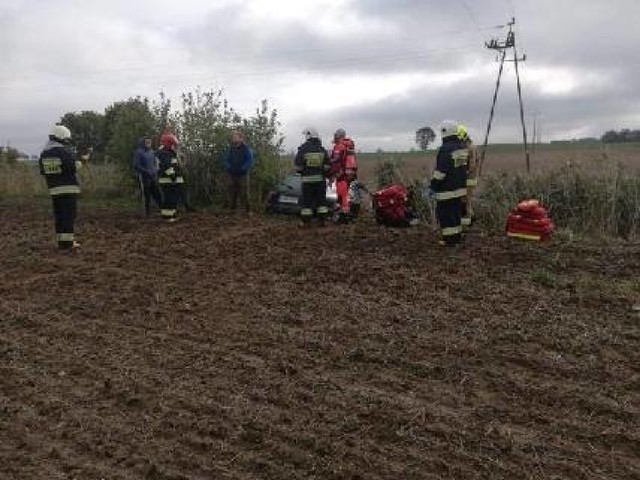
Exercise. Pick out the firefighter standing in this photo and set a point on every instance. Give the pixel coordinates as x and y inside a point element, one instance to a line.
<point>449,183</point>
<point>59,167</point>
<point>169,176</point>
<point>313,163</point>
<point>472,176</point>
<point>344,169</point>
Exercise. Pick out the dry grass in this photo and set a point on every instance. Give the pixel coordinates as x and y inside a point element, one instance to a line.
<point>99,180</point>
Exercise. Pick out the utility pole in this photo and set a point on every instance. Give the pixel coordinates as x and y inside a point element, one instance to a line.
<point>535,131</point>
<point>502,46</point>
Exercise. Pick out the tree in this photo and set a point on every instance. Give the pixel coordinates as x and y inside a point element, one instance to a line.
<point>10,155</point>
<point>125,123</point>
<point>424,137</point>
<point>87,130</point>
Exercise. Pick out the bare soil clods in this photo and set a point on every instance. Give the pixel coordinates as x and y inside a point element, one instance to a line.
<point>247,348</point>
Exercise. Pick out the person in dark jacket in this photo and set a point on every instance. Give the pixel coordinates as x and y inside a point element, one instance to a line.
<point>449,183</point>
<point>237,162</point>
<point>59,166</point>
<point>313,163</point>
<point>169,176</point>
<point>145,165</point>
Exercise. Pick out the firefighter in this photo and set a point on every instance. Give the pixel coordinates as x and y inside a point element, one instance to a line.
<point>449,183</point>
<point>313,164</point>
<point>59,166</point>
<point>170,176</point>
<point>472,176</point>
<point>344,168</point>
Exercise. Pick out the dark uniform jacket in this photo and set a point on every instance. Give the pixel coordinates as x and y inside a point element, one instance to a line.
<point>312,161</point>
<point>450,176</point>
<point>58,165</point>
<point>169,170</point>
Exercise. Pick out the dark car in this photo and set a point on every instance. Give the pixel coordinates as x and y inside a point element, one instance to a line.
<point>286,197</point>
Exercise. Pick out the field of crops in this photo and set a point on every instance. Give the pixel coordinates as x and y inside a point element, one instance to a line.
<point>245,348</point>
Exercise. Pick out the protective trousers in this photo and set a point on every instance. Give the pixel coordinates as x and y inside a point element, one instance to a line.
<point>449,213</point>
<point>170,198</point>
<point>342,189</point>
<point>65,208</point>
<point>314,201</point>
<point>150,190</point>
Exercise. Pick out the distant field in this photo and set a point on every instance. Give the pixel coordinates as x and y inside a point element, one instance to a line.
<point>502,158</point>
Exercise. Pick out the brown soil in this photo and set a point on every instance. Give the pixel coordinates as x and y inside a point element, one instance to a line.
<point>249,349</point>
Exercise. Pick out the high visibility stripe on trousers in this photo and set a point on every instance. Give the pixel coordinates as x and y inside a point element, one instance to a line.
<point>461,192</point>
<point>450,231</point>
<point>65,190</point>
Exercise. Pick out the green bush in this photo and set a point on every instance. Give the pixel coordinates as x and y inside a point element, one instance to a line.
<point>204,125</point>
<point>388,172</point>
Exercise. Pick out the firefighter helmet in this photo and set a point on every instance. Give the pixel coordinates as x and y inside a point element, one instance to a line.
<point>310,132</point>
<point>60,133</point>
<point>449,128</point>
<point>463,133</point>
<point>169,141</point>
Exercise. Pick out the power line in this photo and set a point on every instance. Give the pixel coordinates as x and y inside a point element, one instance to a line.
<point>253,57</point>
<point>253,72</point>
<point>471,15</point>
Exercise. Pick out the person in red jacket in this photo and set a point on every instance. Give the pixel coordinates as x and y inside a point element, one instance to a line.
<point>344,168</point>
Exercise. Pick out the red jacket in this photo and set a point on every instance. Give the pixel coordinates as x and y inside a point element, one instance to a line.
<point>343,158</point>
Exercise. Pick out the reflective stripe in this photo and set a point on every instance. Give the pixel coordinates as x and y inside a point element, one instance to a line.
<point>169,171</point>
<point>460,157</point>
<point>174,161</point>
<point>461,192</point>
<point>164,180</point>
<point>466,221</point>
<point>51,166</point>
<point>78,164</point>
<point>312,179</point>
<point>438,175</point>
<point>166,212</point>
<point>323,210</point>
<point>179,180</point>
<point>64,190</point>
<point>306,212</point>
<point>472,182</point>
<point>66,237</point>
<point>524,236</point>
<point>314,159</point>
<point>448,232</point>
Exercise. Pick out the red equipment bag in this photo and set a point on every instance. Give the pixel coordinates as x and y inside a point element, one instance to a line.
<point>530,221</point>
<point>391,206</point>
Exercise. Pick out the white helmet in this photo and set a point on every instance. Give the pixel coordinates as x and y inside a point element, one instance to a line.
<point>310,133</point>
<point>60,133</point>
<point>449,128</point>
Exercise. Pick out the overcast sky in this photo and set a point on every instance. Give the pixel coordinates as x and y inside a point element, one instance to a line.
<point>378,68</point>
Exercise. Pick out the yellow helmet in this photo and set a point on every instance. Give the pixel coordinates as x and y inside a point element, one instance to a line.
<point>463,132</point>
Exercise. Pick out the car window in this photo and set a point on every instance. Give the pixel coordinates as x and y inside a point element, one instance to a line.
<point>291,184</point>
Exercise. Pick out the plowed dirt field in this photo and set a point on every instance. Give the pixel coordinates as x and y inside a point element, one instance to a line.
<point>224,347</point>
